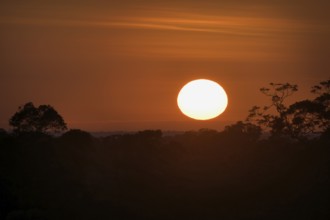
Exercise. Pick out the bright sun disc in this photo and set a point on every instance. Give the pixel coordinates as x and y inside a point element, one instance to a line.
<point>202,99</point>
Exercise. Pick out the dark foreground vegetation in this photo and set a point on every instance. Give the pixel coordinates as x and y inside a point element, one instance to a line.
<point>233,175</point>
<point>196,175</point>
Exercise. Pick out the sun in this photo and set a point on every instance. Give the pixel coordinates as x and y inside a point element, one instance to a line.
<point>202,99</point>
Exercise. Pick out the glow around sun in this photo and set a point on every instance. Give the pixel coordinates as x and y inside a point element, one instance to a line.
<point>202,99</point>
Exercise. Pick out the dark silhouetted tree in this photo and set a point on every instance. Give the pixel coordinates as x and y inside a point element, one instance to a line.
<point>311,116</point>
<point>323,98</point>
<point>245,131</point>
<point>77,136</point>
<point>149,136</point>
<point>299,120</point>
<point>43,119</point>
<point>278,124</point>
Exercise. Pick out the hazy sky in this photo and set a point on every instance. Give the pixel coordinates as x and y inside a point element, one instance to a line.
<point>118,65</point>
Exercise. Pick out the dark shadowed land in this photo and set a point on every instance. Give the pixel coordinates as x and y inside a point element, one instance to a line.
<point>205,174</point>
<point>195,175</point>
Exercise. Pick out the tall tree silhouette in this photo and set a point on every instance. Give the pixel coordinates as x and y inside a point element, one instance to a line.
<point>43,119</point>
<point>299,120</point>
<point>277,123</point>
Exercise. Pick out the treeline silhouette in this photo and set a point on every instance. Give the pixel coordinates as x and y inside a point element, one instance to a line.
<point>232,174</point>
<point>195,175</point>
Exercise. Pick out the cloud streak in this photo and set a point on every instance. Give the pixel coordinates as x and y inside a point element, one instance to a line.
<point>230,25</point>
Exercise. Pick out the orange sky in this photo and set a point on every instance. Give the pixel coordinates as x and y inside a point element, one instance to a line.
<point>118,65</point>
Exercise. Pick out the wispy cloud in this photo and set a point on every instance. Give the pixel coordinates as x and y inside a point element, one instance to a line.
<point>233,25</point>
<point>190,35</point>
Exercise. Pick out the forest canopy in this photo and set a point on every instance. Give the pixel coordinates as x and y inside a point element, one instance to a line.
<point>205,174</point>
